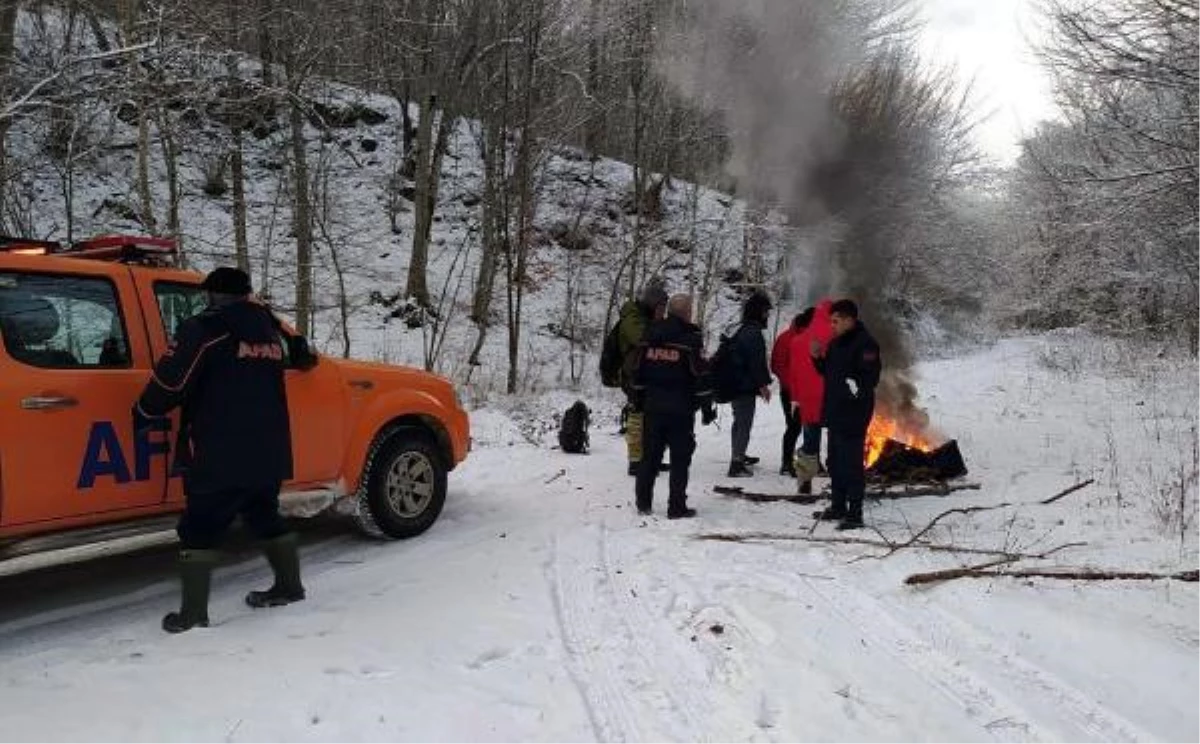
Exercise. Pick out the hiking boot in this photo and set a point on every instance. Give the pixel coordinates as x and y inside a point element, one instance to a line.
<point>195,578</point>
<point>285,562</point>
<point>738,469</point>
<point>805,488</point>
<point>850,523</point>
<point>829,515</point>
<point>787,470</point>
<point>684,513</point>
<point>750,460</point>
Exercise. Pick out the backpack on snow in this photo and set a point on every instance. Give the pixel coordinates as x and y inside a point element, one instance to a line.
<point>724,368</point>
<point>611,361</point>
<point>573,431</point>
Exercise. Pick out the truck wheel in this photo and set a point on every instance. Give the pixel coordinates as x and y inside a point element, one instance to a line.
<point>406,486</point>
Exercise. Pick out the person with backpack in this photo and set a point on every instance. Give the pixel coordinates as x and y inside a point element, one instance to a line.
<point>807,388</point>
<point>850,367</point>
<point>748,377</point>
<point>636,317</point>
<point>671,382</point>
<point>781,368</point>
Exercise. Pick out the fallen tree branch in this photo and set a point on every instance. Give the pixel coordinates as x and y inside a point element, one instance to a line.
<point>1069,491</point>
<point>981,572</point>
<point>744,537</point>
<point>974,509</point>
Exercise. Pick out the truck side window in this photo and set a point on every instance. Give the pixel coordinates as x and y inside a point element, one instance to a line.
<point>178,302</point>
<point>59,321</point>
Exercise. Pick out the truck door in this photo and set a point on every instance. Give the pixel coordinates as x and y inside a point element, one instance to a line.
<point>74,360</point>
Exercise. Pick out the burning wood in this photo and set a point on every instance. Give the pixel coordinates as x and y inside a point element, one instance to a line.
<point>900,451</point>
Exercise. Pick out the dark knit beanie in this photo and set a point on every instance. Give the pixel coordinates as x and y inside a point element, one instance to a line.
<point>228,281</point>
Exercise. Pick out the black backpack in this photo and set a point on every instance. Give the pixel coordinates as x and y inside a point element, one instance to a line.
<point>573,431</point>
<point>610,357</point>
<point>724,368</point>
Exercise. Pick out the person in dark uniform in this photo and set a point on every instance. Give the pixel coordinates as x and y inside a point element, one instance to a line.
<point>671,382</point>
<point>851,367</point>
<point>225,370</point>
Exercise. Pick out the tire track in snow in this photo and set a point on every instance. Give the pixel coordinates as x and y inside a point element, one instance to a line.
<point>680,670</point>
<point>998,717</point>
<point>620,690</point>
<point>1087,716</point>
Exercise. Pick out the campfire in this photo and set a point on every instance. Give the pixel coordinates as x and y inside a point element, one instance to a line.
<point>908,451</point>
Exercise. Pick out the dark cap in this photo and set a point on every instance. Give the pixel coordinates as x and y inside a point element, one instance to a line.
<point>228,281</point>
<point>654,294</point>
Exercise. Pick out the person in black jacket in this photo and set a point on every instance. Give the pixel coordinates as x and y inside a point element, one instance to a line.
<point>225,370</point>
<point>671,382</point>
<point>851,367</point>
<point>753,379</point>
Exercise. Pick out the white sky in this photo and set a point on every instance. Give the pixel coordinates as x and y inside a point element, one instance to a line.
<point>988,40</point>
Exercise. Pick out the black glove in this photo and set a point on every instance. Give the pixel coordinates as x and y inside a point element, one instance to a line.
<point>708,414</point>
<point>300,354</point>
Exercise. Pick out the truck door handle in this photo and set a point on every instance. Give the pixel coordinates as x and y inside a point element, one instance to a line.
<point>48,402</point>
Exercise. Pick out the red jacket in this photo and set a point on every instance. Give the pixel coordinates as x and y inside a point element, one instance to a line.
<point>804,384</point>
<point>780,353</point>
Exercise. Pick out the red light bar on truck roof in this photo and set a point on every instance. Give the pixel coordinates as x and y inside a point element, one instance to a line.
<point>137,249</point>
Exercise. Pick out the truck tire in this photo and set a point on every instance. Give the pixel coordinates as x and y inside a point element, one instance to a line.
<point>405,485</point>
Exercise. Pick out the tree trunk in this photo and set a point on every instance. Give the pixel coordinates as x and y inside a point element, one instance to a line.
<point>301,220</point>
<point>594,138</point>
<point>237,174</point>
<point>523,169</point>
<point>8,23</point>
<point>171,160</point>
<point>266,51</point>
<point>417,288</point>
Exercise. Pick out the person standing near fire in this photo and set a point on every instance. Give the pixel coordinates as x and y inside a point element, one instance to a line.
<point>781,362</point>
<point>636,318</point>
<point>850,366</point>
<point>807,389</point>
<point>671,381</point>
<point>751,379</point>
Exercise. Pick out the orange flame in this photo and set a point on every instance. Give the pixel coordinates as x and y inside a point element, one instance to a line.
<point>883,427</point>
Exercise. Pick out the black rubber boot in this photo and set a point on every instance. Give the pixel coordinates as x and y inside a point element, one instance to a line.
<point>285,562</point>
<point>195,578</point>
<point>830,515</point>
<point>738,469</point>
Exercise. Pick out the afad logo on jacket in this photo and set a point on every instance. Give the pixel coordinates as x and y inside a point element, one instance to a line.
<point>105,457</point>
<point>271,351</point>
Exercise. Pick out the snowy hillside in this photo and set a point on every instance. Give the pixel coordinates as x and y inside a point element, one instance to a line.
<point>582,231</point>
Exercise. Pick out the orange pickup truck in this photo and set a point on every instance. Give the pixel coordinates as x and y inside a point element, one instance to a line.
<point>81,329</point>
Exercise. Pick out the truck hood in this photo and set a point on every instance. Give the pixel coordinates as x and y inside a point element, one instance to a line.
<point>385,377</point>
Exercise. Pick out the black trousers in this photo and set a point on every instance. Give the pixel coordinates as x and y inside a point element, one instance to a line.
<point>847,471</point>
<point>792,433</point>
<point>207,516</point>
<point>662,432</point>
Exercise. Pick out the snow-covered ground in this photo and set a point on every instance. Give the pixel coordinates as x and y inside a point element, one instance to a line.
<point>541,607</point>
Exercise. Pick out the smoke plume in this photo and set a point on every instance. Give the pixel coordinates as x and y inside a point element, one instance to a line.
<point>793,80</point>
